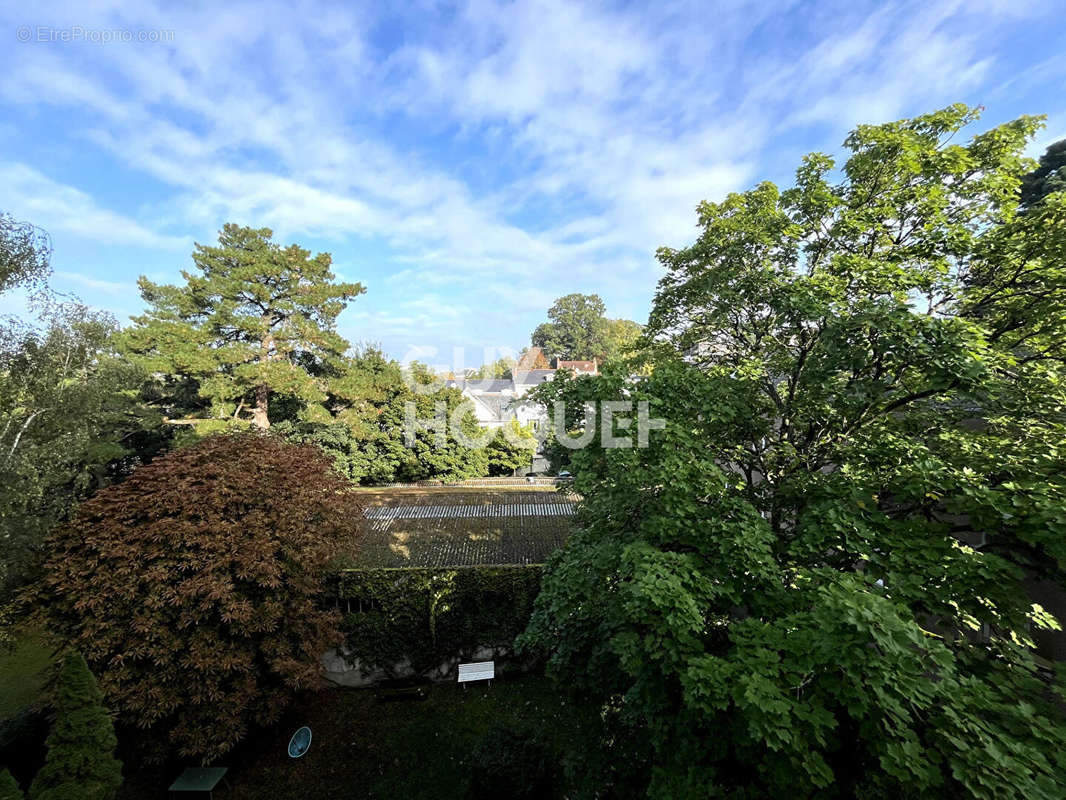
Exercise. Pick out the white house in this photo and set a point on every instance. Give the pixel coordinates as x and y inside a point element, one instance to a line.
<point>497,401</point>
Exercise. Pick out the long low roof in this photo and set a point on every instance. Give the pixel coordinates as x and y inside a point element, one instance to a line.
<point>462,527</point>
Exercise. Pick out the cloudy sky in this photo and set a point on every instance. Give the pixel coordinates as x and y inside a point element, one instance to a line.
<point>466,162</point>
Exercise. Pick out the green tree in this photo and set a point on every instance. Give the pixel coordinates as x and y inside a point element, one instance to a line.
<point>81,759</point>
<point>365,437</point>
<point>1049,175</point>
<point>71,418</point>
<point>9,788</point>
<point>621,337</point>
<point>370,401</point>
<point>500,368</point>
<point>576,329</point>
<point>565,398</point>
<point>510,448</point>
<point>812,582</point>
<point>70,415</point>
<point>194,588</point>
<point>25,252</point>
<point>254,320</point>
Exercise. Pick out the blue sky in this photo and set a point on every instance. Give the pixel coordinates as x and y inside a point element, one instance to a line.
<point>467,162</point>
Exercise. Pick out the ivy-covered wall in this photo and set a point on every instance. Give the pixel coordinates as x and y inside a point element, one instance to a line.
<point>424,617</point>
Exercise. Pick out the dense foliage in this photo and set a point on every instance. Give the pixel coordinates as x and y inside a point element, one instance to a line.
<point>9,788</point>
<point>426,616</point>
<point>25,251</point>
<point>578,330</point>
<point>193,588</point>
<point>510,448</point>
<point>1049,175</point>
<point>367,439</point>
<point>71,418</point>
<point>81,763</point>
<point>565,399</point>
<point>813,582</point>
<point>253,321</point>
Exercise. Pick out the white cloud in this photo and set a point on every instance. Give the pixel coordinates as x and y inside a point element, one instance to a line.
<point>56,207</point>
<point>507,151</point>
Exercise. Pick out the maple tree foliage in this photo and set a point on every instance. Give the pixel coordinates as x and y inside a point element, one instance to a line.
<point>193,587</point>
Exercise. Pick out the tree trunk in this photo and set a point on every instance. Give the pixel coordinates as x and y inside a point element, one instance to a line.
<point>259,413</point>
<point>262,391</point>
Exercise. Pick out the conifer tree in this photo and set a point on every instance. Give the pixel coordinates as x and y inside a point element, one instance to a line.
<point>81,759</point>
<point>9,789</point>
<point>253,320</point>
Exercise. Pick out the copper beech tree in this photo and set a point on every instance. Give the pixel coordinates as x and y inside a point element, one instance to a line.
<point>193,588</point>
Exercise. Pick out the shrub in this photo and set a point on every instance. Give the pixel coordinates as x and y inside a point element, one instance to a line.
<point>425,616</point>
<point>9,789</point>
<point>81,759</point>
<point>510,448</point>
<point>192,588</point>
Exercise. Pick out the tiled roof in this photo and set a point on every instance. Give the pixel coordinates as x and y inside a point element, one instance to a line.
<point>485,385</point>
<point>456,528</point>
<point>497,404</point>
<point>533,376</point>
<point>584,366</point>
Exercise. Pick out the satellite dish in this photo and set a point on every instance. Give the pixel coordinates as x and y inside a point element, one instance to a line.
<point>300,742</point>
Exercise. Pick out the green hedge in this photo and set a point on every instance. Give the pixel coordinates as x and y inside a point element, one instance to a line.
<point>426,616</point>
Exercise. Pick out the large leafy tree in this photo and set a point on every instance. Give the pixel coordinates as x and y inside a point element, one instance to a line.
<point>510,448</point>
<point>621,338</point>
<point>813,582</point>
<point>453,456</point>
<point>71,418</point>
<point>25,252</point>
<point>365,437</point>
<point>576,328</point>
<point>70,415</point>
<point>81,759</point>
<point>371,400</point>
<point>255,319</point>
<point>193,588</point>
<point>564,399</point>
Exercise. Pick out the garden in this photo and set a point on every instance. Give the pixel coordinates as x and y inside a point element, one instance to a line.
<point>514,739</point>
<point>813,581</point>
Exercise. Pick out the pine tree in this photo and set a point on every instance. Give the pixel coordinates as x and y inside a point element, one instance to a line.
<point>1049,175</point>
<point>256,319</point>
<point>81,762</point>
<point>9,789</point>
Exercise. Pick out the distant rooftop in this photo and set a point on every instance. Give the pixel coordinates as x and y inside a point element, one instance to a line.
<point>533,376</point>
<point>576,366</point>
<point>483,384</point>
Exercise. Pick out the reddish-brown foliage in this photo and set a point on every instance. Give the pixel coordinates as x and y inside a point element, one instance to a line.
<point>192,588</point>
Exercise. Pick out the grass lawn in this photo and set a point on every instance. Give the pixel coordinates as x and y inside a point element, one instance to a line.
<point>23,672</point>
<point>365,748</point>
